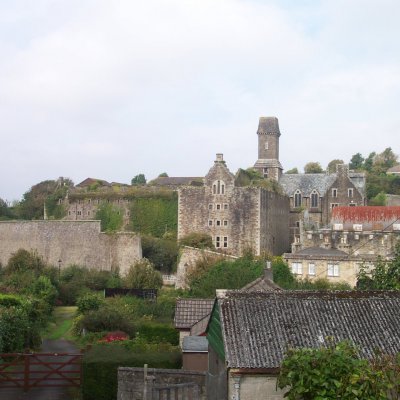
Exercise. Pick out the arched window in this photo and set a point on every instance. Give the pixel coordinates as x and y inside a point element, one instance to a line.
<point>297,198</point>
<point>314,199</point>
<point>218,187</point>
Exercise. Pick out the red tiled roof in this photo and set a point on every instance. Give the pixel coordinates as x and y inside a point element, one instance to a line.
<point>366,213</point>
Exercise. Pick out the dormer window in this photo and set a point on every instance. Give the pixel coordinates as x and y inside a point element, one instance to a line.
<point>297,198</point>
<point>218,187</point>
<point>314,199</point>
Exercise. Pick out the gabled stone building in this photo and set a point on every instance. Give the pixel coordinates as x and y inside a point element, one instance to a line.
<point>237,218</point>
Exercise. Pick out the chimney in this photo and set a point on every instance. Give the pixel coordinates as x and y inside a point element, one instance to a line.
<point>220,293</point>
<point>219,158</point>
<point>268,272</point>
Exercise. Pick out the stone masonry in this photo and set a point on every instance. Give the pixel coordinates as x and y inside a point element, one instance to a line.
<point>72,242</point>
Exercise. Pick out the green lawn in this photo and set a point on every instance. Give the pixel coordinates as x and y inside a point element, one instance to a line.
<point>61,323</point>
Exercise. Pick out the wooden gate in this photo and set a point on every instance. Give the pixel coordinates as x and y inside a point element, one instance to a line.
<point>30,370</point>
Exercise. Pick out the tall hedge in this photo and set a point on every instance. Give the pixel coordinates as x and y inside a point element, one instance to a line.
<point>155,216</point>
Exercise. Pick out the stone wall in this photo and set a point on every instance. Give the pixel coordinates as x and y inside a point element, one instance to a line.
<point>131,381</point>
<point>72,242</point>
<point>187,261</point>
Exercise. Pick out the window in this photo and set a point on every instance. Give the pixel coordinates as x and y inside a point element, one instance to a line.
<point>357,227</point>
<point>396,227</point>
<point>333,269</point>
<point>217,242</point>
<point>311,269</point>
<point>59,201</point>
<point>297,198</point>
<point>356,237</point>
<point>79,213</point>
<point>210,222</point>
<point>218,222</point>
<point>314,199</point>
<point>218,206</point>
<point>225,206</point>
<point>210,206</point>
<point>218,187</point>
<point>88,213</point>
<point>333,205</point>
<point>225,223</point>
<point>334,192</point>
<point>352,204</point>
<point>343,239</point>
<point>89,201</point>
<point>297,268</point>
<point>266,145</point>
<point>69,212</point>
<point>265,172</point>
<point>225,241</point>
<point>350,192</point>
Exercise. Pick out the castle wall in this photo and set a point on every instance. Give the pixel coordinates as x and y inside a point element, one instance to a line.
<point>72,242</point>
<point>274,222</point>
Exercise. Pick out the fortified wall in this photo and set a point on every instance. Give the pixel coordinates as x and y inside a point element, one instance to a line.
<point>73,242</point>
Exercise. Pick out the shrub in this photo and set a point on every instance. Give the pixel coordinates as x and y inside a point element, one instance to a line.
<point>89,301</point>
<point>153,332</point>
<point>142,275</point>
<point>43,289</point>
<point>162,253</point>
<point>101,362</point>
<point>24,260</point>
<point>198,240</point>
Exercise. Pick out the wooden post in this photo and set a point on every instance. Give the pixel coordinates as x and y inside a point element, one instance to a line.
<point>26,372</point>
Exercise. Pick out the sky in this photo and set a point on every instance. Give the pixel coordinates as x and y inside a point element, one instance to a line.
<point>110,89</point>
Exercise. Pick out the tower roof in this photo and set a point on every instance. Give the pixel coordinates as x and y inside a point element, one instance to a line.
<point>268,125</point>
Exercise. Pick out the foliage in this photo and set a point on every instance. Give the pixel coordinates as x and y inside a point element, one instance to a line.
<point>110,217</point>
<point>282,275</point>
<point>379,200</point>
<point>313,168</point>
<point>162,253</point>
<point>142,275</point>
<point>43,289</point>
<point>101,362</point>
<point>356,162</point>
<point>197,239</point>
<point>292,171</point>
<point>139,179</point>
<point>155,332</point>
<point>385,275</point>
<point>163,175</point>
<point>89,301</point>
<point>332,372</point>
<point>331,168</point>
<point>155,215</point>
<point>106,319</point>
<point>224,274</point>
<point>24,260</point>
<point>5,211</point>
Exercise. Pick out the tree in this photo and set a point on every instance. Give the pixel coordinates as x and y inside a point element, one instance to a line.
<point>384,276</point>
<point>369,161</point>
<point>139,179</point>
<point>331,168</point>
<point>163,175</point>
<point>292,171</point>
<point>5,212</point>
<point>356,162</point>
<point>313,168</point>
<point>142,275</point>
<point>379,200</point>
<point>110,217</point>
<point>335,372</point>
<point>162,253</point>
<point>383,161</point>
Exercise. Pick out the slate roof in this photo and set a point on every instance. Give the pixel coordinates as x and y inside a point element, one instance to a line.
<point>306,183</point>
<point>394,170</point>
<point>190,311</point>
<point>195,344</point>
<point>257,328</point>
<point>318,251</point>
<point>91,181</point>
<point>263,284</point>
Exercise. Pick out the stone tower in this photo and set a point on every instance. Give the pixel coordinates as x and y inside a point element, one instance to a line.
<point>268,148</point>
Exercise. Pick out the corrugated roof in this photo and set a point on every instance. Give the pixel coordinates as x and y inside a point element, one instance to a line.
<point>259,327</point>
<point>190,311</point>
<point>306,183</point>
<point>365,214</point>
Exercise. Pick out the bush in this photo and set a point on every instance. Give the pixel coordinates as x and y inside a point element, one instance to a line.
<point>106,319</point>
<point>142,275</point>
<point>153,332</point>
<point>198,240</point>
<point>101,362</point>
<point>162,253</point>
<point>23,261</point>
<point>43,289</point>
<point>88,302</point>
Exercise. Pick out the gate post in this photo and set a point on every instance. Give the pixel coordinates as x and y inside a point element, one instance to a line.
<point>26,372</point>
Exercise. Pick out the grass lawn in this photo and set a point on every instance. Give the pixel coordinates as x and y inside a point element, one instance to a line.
<point>61,323</point>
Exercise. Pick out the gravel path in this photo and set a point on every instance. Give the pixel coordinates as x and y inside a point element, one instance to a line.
<point>48,346</point>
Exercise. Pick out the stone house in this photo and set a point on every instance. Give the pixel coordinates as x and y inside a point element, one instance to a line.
<point>248,334</point>
<point>237,218</point>
<point>356,237</point>
<point>312,194</point>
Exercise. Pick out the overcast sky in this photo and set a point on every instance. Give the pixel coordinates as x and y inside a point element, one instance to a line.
<point>113,88</point>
